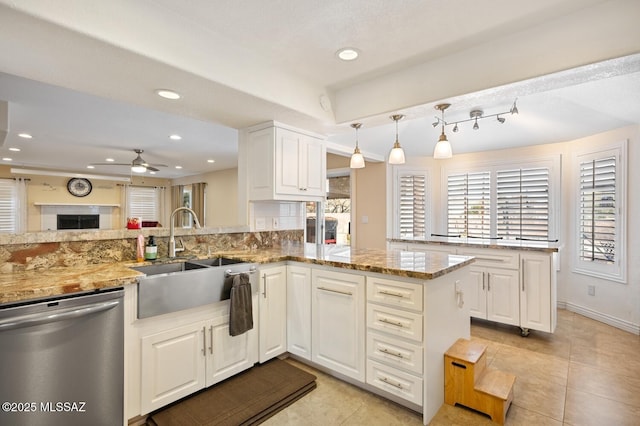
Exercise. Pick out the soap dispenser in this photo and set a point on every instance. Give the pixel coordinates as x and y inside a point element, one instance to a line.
<point>151,250</point>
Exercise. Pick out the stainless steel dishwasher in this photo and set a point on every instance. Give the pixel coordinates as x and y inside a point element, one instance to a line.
<point>62,360</point>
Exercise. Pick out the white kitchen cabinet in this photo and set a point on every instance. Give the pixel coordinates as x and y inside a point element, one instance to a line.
<point>299,311</point>
<point>494,291</point>
<point>338,322</point>
<point>273,312</point>
<point>182,360</point>
<point>538,293</point>
<point>395,332</point>
<point>285,164</point>
<point>173,365</point>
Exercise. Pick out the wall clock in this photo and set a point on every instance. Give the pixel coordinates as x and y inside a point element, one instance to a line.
<point>79,187</point>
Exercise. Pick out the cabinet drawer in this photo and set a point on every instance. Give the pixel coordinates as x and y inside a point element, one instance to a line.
<point>395,293</point>
<point>507,259</point>
<point>395,322</point>
<point>395,352</point>
<point>404,385</point>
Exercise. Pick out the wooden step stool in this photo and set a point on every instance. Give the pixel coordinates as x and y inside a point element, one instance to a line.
<point>469,382</point>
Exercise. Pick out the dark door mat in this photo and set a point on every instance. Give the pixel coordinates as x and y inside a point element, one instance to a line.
<point>248,398</point>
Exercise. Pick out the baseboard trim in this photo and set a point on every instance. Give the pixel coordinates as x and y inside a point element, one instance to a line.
<point>598,316</point>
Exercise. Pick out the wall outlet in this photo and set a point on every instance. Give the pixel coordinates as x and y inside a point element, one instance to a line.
<point>260,223</point>
<point>275,222</point>
<point>591,290</point>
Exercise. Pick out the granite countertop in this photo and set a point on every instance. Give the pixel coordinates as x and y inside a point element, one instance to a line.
<point>526,245</point>
<point>58,281</point>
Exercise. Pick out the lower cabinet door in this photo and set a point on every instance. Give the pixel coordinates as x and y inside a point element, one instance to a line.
<point>477,293</point>
<point>338,322</point>
<point>173,365</point>
<point>396,382</point>
<point>227,355</point>
<point>503,296</point>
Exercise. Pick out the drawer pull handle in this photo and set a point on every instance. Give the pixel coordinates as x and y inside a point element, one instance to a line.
<point>388,352</point>
<point>390,293</point>
<point>392,383</point>
<point>346,293</point>
<point>204,341</point>
<point>388,321</point>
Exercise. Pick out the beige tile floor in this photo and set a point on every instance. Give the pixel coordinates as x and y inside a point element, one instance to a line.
<point>587,373</point>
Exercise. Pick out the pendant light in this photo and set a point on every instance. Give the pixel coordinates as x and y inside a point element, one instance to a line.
<point>396,156</point>
<point>357,160</point>
<point>443,147</point>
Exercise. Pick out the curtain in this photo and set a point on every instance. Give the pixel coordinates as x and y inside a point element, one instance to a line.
<point>176,201</point>
<point>197,200</point>
<point>124,202</point>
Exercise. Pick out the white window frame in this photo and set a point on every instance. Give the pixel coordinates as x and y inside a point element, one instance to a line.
<point>398,172</point>
<point>552,162</point>
<point>158,203</point>
<point>8,206</point>
<point>616,271</point>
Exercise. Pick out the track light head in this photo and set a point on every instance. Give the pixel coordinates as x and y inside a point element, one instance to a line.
<point>455,128</point>
<point>514,108</point>
<point>435,123</point>
<point>501,119</point>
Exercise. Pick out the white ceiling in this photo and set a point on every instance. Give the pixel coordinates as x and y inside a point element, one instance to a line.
<point>80,75</point>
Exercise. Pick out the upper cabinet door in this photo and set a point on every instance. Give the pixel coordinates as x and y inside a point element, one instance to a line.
<point>285,164</point>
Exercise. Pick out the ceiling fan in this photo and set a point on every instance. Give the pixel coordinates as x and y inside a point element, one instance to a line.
<point>138,165</point>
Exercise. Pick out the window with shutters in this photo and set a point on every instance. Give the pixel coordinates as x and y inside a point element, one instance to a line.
<point>144,202</point>
<point>523,203</point>
<point>600,220</point>
<point>469,204</point>
<point>411,204</point>
<point>8,206</point>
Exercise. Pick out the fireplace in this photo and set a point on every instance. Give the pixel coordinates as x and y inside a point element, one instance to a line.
<point>76,216</point>
<point>78,221</point>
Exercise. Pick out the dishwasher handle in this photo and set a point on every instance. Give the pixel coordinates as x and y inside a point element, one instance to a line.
<point>31,320</point>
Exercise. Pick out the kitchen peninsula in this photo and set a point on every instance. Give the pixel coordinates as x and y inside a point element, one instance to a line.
<point>389,301</point>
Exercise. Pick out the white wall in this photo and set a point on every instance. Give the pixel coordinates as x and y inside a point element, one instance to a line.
<point>614,303</point>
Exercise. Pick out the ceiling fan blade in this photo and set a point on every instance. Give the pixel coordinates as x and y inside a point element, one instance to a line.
<point>110,164</point>
<point>156,165</point>
<point>153,169</point>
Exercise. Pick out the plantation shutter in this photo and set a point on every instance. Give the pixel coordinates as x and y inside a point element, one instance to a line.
<point>468,205</point>
<point>523,203</point>
<point>8,205</point>
<point>598,210</point>
<point>144,203</point>
<point>412,206</point>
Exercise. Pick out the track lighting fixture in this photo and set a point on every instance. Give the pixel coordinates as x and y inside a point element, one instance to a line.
<point>396,156</point>
<point>357,160</point>
<point>443,147</point>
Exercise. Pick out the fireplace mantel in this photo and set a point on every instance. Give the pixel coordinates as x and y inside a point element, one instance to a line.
<point>76,204</point>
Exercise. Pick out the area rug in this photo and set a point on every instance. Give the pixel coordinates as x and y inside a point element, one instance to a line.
<point>248,398</point>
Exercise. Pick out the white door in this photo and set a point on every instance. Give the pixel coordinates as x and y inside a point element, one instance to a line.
<point>503,296</point>
<point>172,365</point>
<point>338,322</point>
<point>535,295</point>
<point>476,295</point>
<point>288,154</point>
<point>226,355</point>
<point>312,168</point>
<point>299,311</point>
<point>273,312</point>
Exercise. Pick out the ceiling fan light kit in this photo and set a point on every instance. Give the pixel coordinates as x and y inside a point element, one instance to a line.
<point>138,165</point>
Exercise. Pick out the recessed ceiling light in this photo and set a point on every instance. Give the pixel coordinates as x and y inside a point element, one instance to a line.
<point>151,172</point>
<point>90,167</point>
<point>211,161</point>
<point>110,160</point>
<point>178,167</point>
<point>7,159</point>
<point>168,94</point>
<point>14,149</point>
<point>175,137</point>
<point>348,53</point>
<point>25,135</point>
